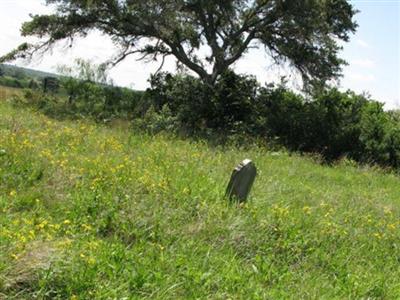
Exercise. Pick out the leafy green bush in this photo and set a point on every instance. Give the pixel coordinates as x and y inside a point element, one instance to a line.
<point>154,122</point>
<point>49,104</point>
<point>227,107</point>
<point>91,92</point>
<point>11,82</point>
<point>184,95</point>
<point>100,101</point>
<point>331,123</point>
<point>84,99</point>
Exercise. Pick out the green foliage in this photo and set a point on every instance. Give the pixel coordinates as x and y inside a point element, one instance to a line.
<point>89,211</point>
<point>328,124</point>
<point>303,33</point>
<point>18,77</point>
<point>33,84</point>
<point>18,74</point>
<point>101,103</point>
<point>90,92</point>
<point>333,124</point>
<point>11,70</point>
<point>154,122</point>
<point>11,82</point>
<point>227,107</point>
<point>236,110</point>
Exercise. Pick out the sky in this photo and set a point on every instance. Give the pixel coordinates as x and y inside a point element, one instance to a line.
<point>373,53</point>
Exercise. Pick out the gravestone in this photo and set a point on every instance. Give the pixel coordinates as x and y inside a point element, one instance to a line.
<point>242,180</point>
<point>50,84</point>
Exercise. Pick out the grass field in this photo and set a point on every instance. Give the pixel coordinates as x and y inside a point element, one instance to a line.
<point>7,92</point>
<point>96,212</point>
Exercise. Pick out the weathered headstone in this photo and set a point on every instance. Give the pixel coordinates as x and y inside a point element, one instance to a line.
<point>50,84</point>
<point>242,180</point>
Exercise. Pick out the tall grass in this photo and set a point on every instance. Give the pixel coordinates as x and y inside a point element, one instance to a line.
<point>7,92</point>
<point>95,212</point>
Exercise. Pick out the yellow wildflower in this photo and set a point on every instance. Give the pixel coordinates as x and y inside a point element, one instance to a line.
<point>307,210</point>
<point>91,261</point>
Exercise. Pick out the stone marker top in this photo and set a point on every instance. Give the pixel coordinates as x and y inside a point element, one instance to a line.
<point>241,182</point>
<point>244,163</point>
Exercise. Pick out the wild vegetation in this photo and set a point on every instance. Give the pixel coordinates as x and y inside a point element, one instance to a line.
<point>16,77</point>
<point>91,211</point>
<point>109,193</point>
<point>302,34</point>
<point>329,122</point>
<point>238,109</point>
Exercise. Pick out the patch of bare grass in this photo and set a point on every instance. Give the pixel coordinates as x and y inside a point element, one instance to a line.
<point>24,273</point>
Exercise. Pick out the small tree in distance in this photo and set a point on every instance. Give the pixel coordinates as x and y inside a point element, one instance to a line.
<point>82,77</point>
<point>87,71</point>
<point>303,33</point>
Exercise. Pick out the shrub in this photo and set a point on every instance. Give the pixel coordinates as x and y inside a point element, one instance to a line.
<point>91,92</point>
<point>154,122</point>
<point>228,107</point>
<point>10,82</point>
<point>184,95</point>
<point>330,123</point>
<point>38,100</point>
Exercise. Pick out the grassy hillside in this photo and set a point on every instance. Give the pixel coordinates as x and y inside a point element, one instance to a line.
<point>18,77</point>
<point>95,212</point>
<point>14,71</point>
<point>8,92</point>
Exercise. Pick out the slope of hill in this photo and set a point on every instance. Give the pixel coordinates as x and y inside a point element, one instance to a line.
<point>96,212</point>
<point>14,71</point>
<point>17,77</point>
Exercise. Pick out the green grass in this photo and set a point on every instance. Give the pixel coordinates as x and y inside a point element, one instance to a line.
<point>8,92</point>
<point>96,212</point>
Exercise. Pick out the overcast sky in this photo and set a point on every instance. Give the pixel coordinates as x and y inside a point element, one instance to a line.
<point>373,53</point>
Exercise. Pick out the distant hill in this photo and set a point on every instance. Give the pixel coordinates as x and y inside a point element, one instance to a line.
<point>19,77</point>
<point>20,72</point>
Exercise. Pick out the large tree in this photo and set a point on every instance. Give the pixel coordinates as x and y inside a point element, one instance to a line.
<point>302,33</point>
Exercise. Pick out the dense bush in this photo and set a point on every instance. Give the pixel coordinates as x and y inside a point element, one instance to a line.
<point>100,101</point>
<point>332,123</point>
<point>91,92</point>
<point>154,122</point>
<point>12,82</point>
<point>227,107</point>
<point>328,124</point>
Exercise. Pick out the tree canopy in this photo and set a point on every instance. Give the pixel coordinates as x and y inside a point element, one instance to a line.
<point>302,33</point>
